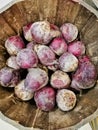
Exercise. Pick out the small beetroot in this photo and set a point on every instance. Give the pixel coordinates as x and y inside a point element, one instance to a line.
<point>11,62</point>
<point>22,92</point>
<point>68,62</point>
<point>60,79</point>
<point>77,48</point>
<point>85,77</point>
<point>45,98</point>
<point>27,58</point>
<point>9,77</point>
<point>36,79</point>
<point>58,45</point>
<point>66,99</point>
<point>43,32</point>
<point>45,55</point>
<point>69,32</point>
<point>14,44</point>
<point>27,32</point>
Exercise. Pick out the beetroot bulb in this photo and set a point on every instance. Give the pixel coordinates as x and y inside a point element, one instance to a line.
<point>27,32</point>
<point>59,80</point>
<point>9,77</point>
<point>85,77</point>
<point>27,58</point>
<point>43,32</point>
<point>58,45</point>
<point>68,62</point>
<point>77,48</point>
<point>69,32</point>
<point>66,99</point>
<point>11,62</point>
<point>45,55</point>
<point>36,79</point>
<point>14,44</point>
<point>22,92</point>
<point>45,98</point>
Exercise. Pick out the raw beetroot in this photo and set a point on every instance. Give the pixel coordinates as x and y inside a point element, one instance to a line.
<point>14,44</point>
<point>45,55</point>
<point>45,98</point>
<point>22,92</point>
<point>27,58</point>
<point>43,32</point>
<point>66,99</point>
<point>85,76</point>
<point>36,79</point>
<point>60,79</point>
<point>9,77</point>
<point>58,45</point>
<point>68,62</point>
<point>77,48</point>
<point>69,32</point>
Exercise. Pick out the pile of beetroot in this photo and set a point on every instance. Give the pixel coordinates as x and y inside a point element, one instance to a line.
<point>55,61</point>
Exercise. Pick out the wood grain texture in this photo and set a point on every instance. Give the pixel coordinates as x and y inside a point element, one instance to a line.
<point>58,12</point>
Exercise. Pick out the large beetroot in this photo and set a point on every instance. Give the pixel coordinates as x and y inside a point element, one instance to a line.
<point>45,98</point>
<point>14,44</point>
<point>23,93</point>
<point>77,48</point>
<point>9,77</point>
<point>36,79</point>
<point>66,99</point>
<point>85,76</point>
<point>45,55</point>
<point>60,79</point>
<point>43,32</point>
<point>68,62</point>
<point>69,32</point>
<point>58,45</point>
<point>27,58</point>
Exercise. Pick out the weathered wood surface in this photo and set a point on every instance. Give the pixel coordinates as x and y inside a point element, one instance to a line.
<point>58,12</point>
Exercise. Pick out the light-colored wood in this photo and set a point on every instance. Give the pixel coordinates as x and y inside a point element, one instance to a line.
<point>58,12</point>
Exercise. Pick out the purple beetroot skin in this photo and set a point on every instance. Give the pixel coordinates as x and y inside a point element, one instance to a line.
<point>45,98</point>
<point>14,44</point>
<point>68,62</point>
<point>58,45</point>
<point>60,79</point>
<point>69,32</point>
<point>36,79</point>
<point>27,58</point>
<point>27,32</point>
<point>9,77</point>
<point>43,32</point>
<point>11,62</point>
<point>45,55</point>
<point>77,48</point>
<point>22,92</point>
<point>85,76</point>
